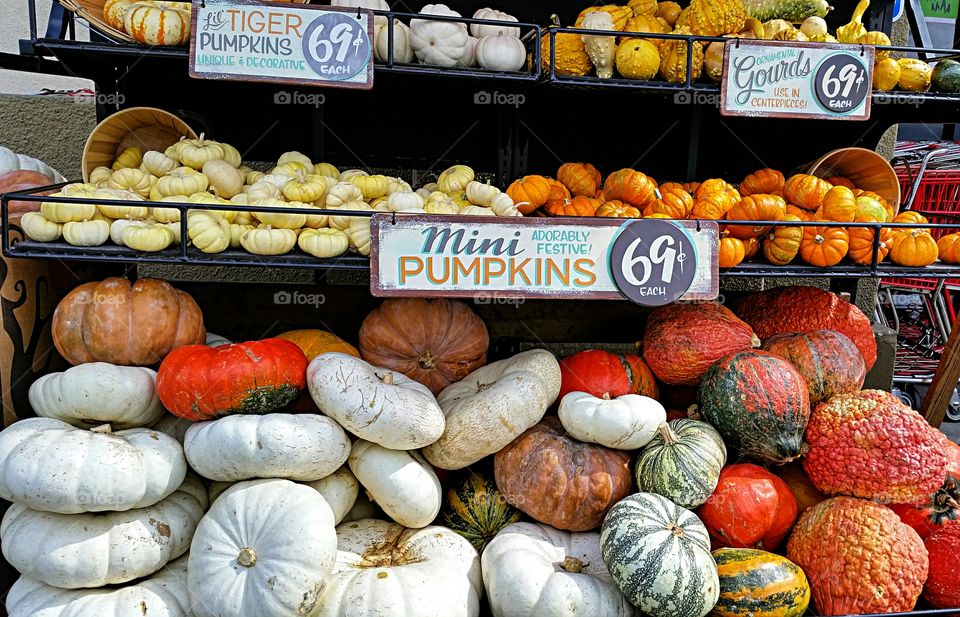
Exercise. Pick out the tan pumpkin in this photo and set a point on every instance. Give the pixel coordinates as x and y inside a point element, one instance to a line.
<point>316,342</point>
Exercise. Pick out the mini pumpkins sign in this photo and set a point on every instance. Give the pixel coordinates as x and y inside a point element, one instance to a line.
<point>283,43</point>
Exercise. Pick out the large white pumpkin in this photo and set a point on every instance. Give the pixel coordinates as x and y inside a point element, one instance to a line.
<point>492,406</point>
<point>99,393</point>
<point>162,595</point>
<point>386,570</point>
<point>266,547</point>
<point>92,550</point>
<point>304,447</point>
<point>399,481</point>
<point>626,422</point>
<point>49,465</point>
<point>375,404</point>
<point>532,570</point>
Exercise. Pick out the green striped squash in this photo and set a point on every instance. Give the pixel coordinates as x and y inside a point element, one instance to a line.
<point>658,554</point>
<point>759,584</point>
<point>682,462</point>
<point>476,510</point>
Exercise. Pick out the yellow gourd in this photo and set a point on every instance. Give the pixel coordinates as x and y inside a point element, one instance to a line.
<point>852,32</point>
<point>713,60</point>
<point>673,58</point>
<point>182,181</point>
<point>306,187</point>
<point>638,59</point>
<point>371,187</point>
<point>86,233</point>
<point>148,238</point>
<point>716,17</point>
<point>790,34</point>
<point>668,11</point>
<point>326,169</point>
<point>323,243</point>
<point>648,8</point>
<point>38,227</point>
<point>915,75</point>
<point>269,241</point>
<point>66,212</point>
<point>886,74</point>
<point>131,179</point>
<point>289,169</point>
<point>879,40</point>
<point>100,175</point>
<point>231,154</point>
<point>441,206</point>
<point>455,179</point>
<point>773,26</point>
<point>208,232</point>
<point>131,157</point>
<point>195,152</point>
<point>570,57</point>
<point>236,233</point>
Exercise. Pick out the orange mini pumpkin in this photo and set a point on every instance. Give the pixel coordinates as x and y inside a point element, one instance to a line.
<point>631,187</point>
<point>558,190</point>
<point>574,206</point>
<point>861,242</point>
<point>581,178</point>
<point>806,191</point>
<point>731,252</point>
<point>912,218</point>
<point>782,244</point>
<point>949,248</point>
<point>766,181</point>
<point>914,248</point>
<point>529,193</point>
<point>751,246</point>
<point>714,198</point>
<point>670,186</point>
<point>674,203</point>
<point>757,207</point>
<point>824,246</point>
<point>839,205</point>
<point>800,213</point>
<point>617,209</point>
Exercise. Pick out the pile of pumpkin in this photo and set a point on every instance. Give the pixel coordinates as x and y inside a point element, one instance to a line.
<point>765,195</point>
<point>601,508</point>
<point>151,22</point>
<point>202,171</point>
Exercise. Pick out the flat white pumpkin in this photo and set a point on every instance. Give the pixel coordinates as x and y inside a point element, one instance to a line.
<point>492,406</point>
<point>373,403</point>
<point>386,570</point>
<point>399,481</point>
<point>92,550</point>
<point>482,30</point>
<point>438,43</point>
<point>402,52</point>
<point>532,570</point>
<point>162,595</point>
<point>266,547</point>
<point>276,445</point>
<point>49,465</point>
<point>99,393</point>
<point>626,422</point>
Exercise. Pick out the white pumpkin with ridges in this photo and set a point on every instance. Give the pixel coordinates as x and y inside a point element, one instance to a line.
<point>482,30</point>
<point>438,43</point>
<point>501,53</point>
<point>401,482</point>
<point>626,422</point>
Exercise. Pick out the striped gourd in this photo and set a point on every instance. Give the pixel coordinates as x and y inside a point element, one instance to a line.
<point>759,584</point>
<point>476,510</point>
<point>682,462</point>
<point>659,556</point>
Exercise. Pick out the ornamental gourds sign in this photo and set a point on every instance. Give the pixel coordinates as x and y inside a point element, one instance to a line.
<point>796,80</point>
<point>282,43</point>
<point>650,262</point>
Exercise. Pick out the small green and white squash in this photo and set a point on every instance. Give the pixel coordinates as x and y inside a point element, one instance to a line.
<point>265,547</point>
<point>659,556</point>
<point>305,447</point>
<point>97,393</point>
<point>73,551</point>
<point>476,510</point>
<point>682,462</point>
<point>399,481</point>
<point>162,595</point>
<point>386,570</point>
<point>756,583</point>
<point>49,465</point>
<point>532,570</point>
<point>626,422</point>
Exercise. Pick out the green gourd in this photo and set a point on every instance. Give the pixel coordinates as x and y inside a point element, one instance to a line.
<point>790,10</point>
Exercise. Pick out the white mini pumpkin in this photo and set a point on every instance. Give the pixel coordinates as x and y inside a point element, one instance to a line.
<point>469,57</point>
<point>492,406</point>
<point>626,422</point>
<point>99,393</point>
<point>482,30</point>
<point>385,570</point>
<point>276,445</point>
<point>92,550</point>
<point>162,595</point>
<point>532,570</point>
<point>501,53</point>
<point>375,404</point>
<point>399,481</point>
<point>49,465</point>
<point>266,547</point>
<point>438,43</point>
<point>402,52</point>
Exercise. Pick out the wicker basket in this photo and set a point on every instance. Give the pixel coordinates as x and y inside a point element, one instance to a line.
<point>865,168</point>
<point>147,128</point>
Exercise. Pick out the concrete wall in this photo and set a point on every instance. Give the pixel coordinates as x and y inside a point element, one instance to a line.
<point>50,128</point>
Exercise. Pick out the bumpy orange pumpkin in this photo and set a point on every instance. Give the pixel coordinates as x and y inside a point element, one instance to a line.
<point>806,191</point>
<point>782,244</point>
<point>757,207</point>
<point>949,248</point>
<point>824,246</point>
<point>581,178</point>
<point>674,202</point>
<point>574,206</point>
<point>841,181</point>
<point>617,209</point>
<point>914,248</point>
<point>529,193</point>
<point>861,242</point>
<point>731,252</point>
<point>766,181</point>
<point>631,187</point>
<point>839,205</point>
<point>714,198</point>
<point>315,342</point>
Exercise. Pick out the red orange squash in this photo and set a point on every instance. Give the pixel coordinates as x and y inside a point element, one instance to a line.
<point>942,589</point>
<point>602,373</point>
<point>940,509</point>
<point>829,361</point>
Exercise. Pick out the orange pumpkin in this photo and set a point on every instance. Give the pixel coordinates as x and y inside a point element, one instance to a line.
<point>574,206</point>
<point>657,215</point>
<point>949,248</point>
<point>751,246</point>
<point>912,218</point>
<point>839,205</point>
<point>617,209</point>
<point>861,242</point>
<point>766,181</point>
<point>582,179</point>
<point>824,246</point>
<point>315,342</point>
<point>914,248</point>
<point>806,191</point>
<point>529,193</point>
<point>731,252</point>
<point>674,202</point>
<point>841,181</point>
<point>558,190</point>
<point>800,213</point>
<point>756,207</point>
<point>714,198</point>
<point>782,244</point>
<point>671,186</point>
<point>631,187</point>
<point>691,187</point>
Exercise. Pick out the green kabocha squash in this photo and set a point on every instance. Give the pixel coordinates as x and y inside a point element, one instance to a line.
<point>789,10</point>
<point>756,583</point>
<point>682,462</point>
<point>476,510</point>
<point>946,76</point>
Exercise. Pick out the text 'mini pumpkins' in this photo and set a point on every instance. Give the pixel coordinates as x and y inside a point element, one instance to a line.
<point>601,373</point>
<point>202,383</point>
<point>435,342</point>
<point>125,323</point>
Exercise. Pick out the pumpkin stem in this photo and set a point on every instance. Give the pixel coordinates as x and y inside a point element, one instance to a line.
<point>606,396</point>
<point>669,437</point>
<point>387,379</point>
<point>677,531</point>
<point>555,20</point>
<point>693,412</point>
<point>755,341</point>
<point>103,428</point>
<point>572,565</point>
<point>427,360</point>
<point>247,557</point>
